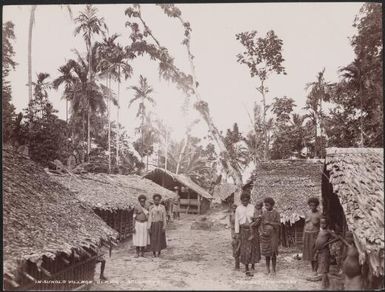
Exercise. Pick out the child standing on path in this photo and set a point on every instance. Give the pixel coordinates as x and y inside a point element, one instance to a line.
<point>157,221</point>
<point>243,217</point>
<point>311,229</point>
<point>270,235</point>
<point>140,238</point>
<point>322,251</point>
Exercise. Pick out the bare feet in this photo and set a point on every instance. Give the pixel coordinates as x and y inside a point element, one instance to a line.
<point>103,278</point>
<point>136,256</point>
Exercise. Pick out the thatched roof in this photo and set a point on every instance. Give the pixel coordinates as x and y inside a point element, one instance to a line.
<point>182,179</point>
<point>357,177</point>
<point>111,191</point>
<point>42,218</point>
<point>290,183</point>
<point>224,190</point>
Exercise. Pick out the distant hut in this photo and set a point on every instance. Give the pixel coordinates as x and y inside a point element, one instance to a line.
<point>290,183</point>
<point>224,193</point>
<point>193,198</point>
<point>49,235</point>
<point>353,198</point>
<point>113,196</point>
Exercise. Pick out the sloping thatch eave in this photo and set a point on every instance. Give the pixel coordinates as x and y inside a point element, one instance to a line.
<point>357,178</point>
<point>111,191</point>
<point>182,179</point>
<point>42,218</point>
<point>290,183</point>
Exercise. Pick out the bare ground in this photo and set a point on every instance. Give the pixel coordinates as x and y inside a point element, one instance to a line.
<point>198,260</point>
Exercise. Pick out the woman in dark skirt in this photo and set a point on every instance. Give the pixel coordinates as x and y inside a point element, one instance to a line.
<point>249,251</point>
<point>157,226</point>
<point>270,234</point>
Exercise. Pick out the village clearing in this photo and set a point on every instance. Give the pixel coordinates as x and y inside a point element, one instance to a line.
<point>197,260</point>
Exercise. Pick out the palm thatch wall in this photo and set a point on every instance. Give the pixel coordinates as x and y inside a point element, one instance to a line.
<point>290,183</point>
<point>353,192</point>
<point>42,222</point>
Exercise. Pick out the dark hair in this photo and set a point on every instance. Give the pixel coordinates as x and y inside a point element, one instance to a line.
<point>141,197</point>
<point>156,195</point>
<point>269,200</point>
<point>313,200</point>
<point>245,196</point>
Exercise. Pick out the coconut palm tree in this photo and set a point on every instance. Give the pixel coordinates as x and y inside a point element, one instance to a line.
<point>142,95</point>
<point>115,65</point>
<point>84,96</point>
<point>89,24</point>
<point>319,92</point>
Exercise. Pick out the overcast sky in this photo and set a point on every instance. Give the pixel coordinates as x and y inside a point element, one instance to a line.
<point>315,35</point>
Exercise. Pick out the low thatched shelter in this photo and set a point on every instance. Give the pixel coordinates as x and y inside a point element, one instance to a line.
<point>290,183</point>
<point>353,198</point>
<point>112,196</point>
<point>49,235</point>
<point>193,198</point>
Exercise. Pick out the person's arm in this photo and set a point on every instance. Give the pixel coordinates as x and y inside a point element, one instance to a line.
<point>275,222</point>
<point>236,223</point>
<point>164,215</point>
<point>149,219</point>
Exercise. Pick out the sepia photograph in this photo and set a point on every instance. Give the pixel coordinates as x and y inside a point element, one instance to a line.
<point>193,146</point>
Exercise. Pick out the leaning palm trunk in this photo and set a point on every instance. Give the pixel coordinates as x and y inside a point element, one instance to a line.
<point>117,126</point>
<point>181,154</point>
<point>31,21</point>
<point>89,100</point>
<point>203,109</point>
<point>109,125</point>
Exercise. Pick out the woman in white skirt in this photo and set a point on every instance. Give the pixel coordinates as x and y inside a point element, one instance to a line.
<point>141,237</point>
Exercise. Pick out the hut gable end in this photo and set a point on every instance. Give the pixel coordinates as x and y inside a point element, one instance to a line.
<point>356,176</point>
<point>290,183</point>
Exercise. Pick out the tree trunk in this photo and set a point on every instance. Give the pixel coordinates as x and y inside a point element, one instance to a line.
<point>182,153</point>
<point>89,99</point>
<point>117,125</point>
<point>203,109</point>
<point>266,148</point>
<point>31,21</point>
<point>109,125</point>
<point>88,134</point>
<point>316,146</point>
<point>166,152</point>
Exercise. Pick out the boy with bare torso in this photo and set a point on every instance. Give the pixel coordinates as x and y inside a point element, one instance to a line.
<point>322,251</point>
<point>311,229</point>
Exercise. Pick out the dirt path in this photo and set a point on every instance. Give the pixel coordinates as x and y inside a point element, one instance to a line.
<point>197,260</point>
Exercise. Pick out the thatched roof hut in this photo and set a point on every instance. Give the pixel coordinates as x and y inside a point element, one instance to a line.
<point>42,219</point>
<point>353,193</point>
<point>181,178</point>
<point>195,199</point>
<point>111,191</point>
<point>290,183</point>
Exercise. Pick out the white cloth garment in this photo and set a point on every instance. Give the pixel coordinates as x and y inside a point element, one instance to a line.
<point>243,215</point>
<point>141,236</point>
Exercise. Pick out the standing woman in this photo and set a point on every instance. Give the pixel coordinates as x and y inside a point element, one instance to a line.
<point>249,253</point>
<point>270,234</point>
<point>157,226</point>
<point>140,239</point>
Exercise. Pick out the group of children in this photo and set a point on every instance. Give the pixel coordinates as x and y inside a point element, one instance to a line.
<point>319,240</point>
<point>255,231</point>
